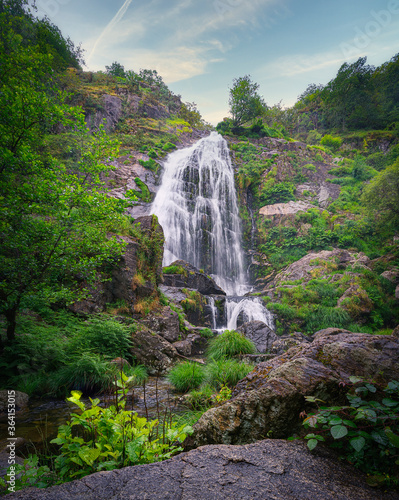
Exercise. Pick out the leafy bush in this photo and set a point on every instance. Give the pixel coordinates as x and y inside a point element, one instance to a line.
<point>186,376</point>
<point>366,431</point>
<point>229,344</point>
<point>201,398</point>
<point>279,193</point>
<point>174,269</point>
<point>331,142</point>
<point>88,373</point>
<point>227,372</point>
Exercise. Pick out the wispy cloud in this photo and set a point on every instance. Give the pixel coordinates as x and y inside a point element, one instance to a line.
<point>114,21</point>
<point>300,63</point>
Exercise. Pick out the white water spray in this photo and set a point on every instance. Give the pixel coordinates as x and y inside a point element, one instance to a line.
<point>197,207</point>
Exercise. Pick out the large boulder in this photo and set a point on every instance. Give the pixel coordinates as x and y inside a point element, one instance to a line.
<point>191,277</point>
<point>164,322</point>
<point>269,400</point>
<point>11,397</point>
<point>269,469</point>
<point>260,334</point>
<point>153,351</point>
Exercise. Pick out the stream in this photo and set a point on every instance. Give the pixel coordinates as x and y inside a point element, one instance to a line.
<point>41,419</point>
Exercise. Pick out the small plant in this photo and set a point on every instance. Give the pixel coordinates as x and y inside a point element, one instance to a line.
<point>366,430</point>
<point>186,376</point>
<point>110,438</point>
<point>201,398</point>
<point>229,344</point>
<point>227,372</point>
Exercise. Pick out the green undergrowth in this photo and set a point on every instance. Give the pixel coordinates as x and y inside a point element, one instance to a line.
<point>56,351</point>
<point>365,431</point>
<point>369,306</point>
<point>98,438</point>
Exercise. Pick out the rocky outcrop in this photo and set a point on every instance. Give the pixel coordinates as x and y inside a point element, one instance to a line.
<point>192,278</point>
<point>260,334</point>
<point>152,351</point>
<point>269,469</point>
<point>320,263</point>
<point>165,323</point>
<point>292,207</point>
<point>269,400</point>
<point>122,285</point>
<point>111,111</point>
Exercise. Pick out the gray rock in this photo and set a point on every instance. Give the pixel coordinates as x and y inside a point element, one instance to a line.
<point>192,278</point>
<point>269,469</point>
<point>260,334</point>
<point>183,347</point>
<point>152,351</point>
<point>164,323</point>
<point>271,397</point>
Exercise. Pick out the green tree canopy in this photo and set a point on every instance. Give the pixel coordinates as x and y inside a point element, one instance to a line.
<point>244,101</point>
<point>381,195</point>
<point>53,217</point>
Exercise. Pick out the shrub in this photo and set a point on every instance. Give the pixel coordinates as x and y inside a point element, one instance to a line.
<point>186,376</point>
<point>365,431</point>
<point>201,398</point>
<point>331,142</point>
<point>88,373</point>
<point>228,344</point>
<point>279,193</point>
<point>227,372</point>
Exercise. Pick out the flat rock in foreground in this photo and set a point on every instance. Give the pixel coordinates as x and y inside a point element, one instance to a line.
<point>269,469</point>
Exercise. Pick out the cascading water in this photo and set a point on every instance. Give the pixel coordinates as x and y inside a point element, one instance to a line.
<point>197,207</point>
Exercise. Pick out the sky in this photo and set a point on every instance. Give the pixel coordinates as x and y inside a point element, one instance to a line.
<point>200,46</point>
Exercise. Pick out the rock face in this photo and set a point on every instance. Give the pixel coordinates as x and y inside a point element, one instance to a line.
<point>193,278</point>
<point>121,287</point>
<point>292,207</point>
<point>111,112</point>
<point>269,469</point>
<point>153,351</point>
<point>260,334</point>
<point>164,323</point>
<point>269,400</point>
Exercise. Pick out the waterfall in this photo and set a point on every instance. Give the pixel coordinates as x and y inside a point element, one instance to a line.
<point>196,205</point>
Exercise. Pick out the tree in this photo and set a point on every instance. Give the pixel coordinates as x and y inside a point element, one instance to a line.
<point>381,195</point>
<point>116,69</point>
<point>244,101</point>
<point>53,217</point>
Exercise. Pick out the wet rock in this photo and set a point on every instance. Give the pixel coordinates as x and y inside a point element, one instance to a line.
<point>192,278</point>
<point>269,469</point>
<point>164,323</point>
<point>198,344</point>
<point>152,351</point>
<point>20,399</point>
<point>183,347</point>
<point>285,342</point>
<point>271,397</point>
<point>260,334</point>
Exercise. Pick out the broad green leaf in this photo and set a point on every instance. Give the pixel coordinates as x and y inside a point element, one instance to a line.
<point>355,379</point>
<point>358,443</point>
<point>338,431</point>
<point>371,388</point>
<point>312,443</point>
<point>393,438</point>
<point>89,455</point>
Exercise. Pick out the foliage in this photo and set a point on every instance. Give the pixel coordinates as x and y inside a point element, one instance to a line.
<point>331,142</point>
<point>366,431</point>
<point>115,69</point>
<point>186,376</point>
<point>244,101</point>
<point>229,344</point>
<point>226,372</point>
<point>109,438</point>
<point>277,193</point>
<point>382,195</point>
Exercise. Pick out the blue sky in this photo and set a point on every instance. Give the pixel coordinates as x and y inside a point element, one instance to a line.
<point>198,47</point>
